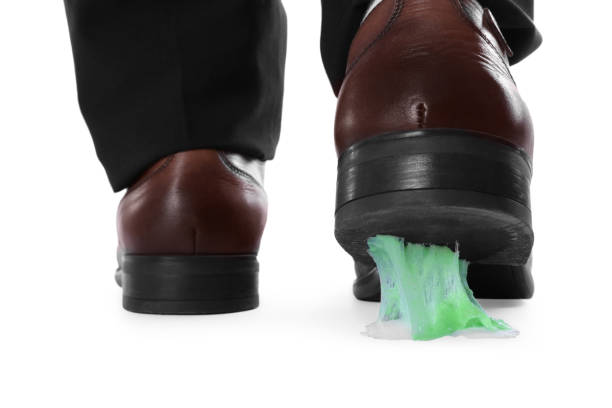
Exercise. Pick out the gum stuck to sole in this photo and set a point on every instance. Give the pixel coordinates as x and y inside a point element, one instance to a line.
<point>425,294</point>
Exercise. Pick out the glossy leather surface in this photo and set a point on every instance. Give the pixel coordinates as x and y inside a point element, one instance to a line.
<point>419,64</point>
<point>194,202</point>
<point>248,166</point>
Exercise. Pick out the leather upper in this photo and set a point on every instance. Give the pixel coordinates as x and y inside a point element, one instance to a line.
<point>194,202</point>
<point>417,64</point>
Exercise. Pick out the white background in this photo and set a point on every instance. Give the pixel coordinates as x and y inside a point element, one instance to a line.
<point>66,342</point>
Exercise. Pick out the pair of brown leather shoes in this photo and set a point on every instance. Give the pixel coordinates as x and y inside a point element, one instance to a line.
<point>434,145</point>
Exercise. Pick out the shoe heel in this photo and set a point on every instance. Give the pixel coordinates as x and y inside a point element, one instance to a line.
<point>188,284</point>
<point>444,187</point>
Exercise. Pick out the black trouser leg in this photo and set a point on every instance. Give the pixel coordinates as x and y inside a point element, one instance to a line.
<point>160,76</point>
<point>341,19</point>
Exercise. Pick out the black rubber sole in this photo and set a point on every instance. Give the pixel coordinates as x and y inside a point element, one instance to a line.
<point>188,284</point>
<point>444,187</point>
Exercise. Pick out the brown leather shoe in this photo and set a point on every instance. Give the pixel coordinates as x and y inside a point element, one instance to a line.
<point>435,143</point>
<point>189,232</point>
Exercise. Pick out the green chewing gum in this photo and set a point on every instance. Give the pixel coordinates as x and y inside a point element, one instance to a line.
<point>424,291</point>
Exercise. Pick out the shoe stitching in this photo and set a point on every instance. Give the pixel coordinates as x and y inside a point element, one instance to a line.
<point>158,170</point>
<point>237,171</point>
<point>397,10</point>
